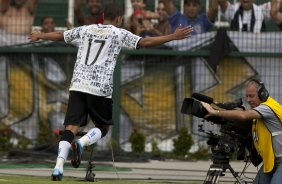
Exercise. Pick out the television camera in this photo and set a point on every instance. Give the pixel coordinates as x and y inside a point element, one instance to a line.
<point>234,137</point>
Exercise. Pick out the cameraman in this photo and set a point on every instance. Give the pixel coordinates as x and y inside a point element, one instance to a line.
<point>266,114</point>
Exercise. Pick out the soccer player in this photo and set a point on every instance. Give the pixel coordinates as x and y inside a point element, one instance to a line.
<point>92,82</point>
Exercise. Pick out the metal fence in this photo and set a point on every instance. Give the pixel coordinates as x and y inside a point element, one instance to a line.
<point>150,85</point>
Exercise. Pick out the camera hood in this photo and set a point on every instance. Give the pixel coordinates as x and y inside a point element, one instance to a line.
<point>194,107</point>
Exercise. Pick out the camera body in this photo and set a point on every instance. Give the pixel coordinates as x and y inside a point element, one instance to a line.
<point>234,137</point>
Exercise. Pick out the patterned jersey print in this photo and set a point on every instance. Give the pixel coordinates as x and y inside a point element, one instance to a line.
<point>98,49</point>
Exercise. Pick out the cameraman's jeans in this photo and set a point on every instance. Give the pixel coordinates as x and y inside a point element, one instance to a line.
<point>274,177</point>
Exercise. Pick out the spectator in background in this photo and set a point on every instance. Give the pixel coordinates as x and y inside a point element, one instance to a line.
<point>17,16</point>
<point>95,8</point>
<point>48,24</point>
<point>200,22</point>
<point>276,15</point>
<point>16,20</point>
<point>141,5</point>
<point>141,25</point>
<point>137,4</point>
<point>163,26</point>
<point>244,15</point>
<point>138,24</point>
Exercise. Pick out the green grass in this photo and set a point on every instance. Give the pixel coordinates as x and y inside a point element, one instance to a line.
<point>67,166</point>
<point>68,180</point>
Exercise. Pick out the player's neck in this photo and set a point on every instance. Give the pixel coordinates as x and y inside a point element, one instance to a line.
<point>108,22</point>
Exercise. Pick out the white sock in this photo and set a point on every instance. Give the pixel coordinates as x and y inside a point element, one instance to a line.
<point>91,137</point>
<point>63,153</point>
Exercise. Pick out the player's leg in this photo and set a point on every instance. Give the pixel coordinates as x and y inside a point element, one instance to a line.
<point>93,135</point>
<point>76,115</point>
<point>63,151</point>
<point>100,111</point>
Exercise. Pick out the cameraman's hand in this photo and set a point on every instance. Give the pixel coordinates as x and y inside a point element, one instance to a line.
<point>211,111</point>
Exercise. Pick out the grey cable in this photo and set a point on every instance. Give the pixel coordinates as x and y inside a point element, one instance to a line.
<point>113,159</point>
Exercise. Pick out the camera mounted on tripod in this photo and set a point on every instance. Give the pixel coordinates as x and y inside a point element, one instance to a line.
<point>234,137</point>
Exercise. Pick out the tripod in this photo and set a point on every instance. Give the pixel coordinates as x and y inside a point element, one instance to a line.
<point>89,176</point>
<point>217,170</point>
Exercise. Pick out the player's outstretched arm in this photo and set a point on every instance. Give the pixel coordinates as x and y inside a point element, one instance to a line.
<point>180,33</point>
<point>53,36</point>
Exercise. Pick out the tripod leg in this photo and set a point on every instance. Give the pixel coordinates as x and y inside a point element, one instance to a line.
<point>236,176</point>
<point>90,176</point>
<point>213,175</point>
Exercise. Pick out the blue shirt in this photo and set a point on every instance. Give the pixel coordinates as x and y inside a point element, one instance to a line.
<point>200,25</point>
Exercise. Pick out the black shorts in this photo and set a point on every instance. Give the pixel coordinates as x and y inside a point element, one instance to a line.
<point>81,105</point>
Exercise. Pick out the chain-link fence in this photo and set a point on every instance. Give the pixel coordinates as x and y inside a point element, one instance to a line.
<point>150,85</point>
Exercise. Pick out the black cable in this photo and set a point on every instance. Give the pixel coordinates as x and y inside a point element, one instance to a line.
<point>247,164</point>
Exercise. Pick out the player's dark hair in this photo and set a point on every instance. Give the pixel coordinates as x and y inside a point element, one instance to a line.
<point>112,11</point>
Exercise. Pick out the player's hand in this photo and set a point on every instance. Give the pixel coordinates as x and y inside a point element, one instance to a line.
<point>34,36</point>
<point>181,33</point>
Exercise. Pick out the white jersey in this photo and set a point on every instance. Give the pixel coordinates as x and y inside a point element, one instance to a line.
<point>98,49</point>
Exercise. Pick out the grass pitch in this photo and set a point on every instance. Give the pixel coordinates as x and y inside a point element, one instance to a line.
<point>4,179</point>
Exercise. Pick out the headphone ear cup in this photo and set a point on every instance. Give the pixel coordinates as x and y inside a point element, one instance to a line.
<point>263,94</point>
